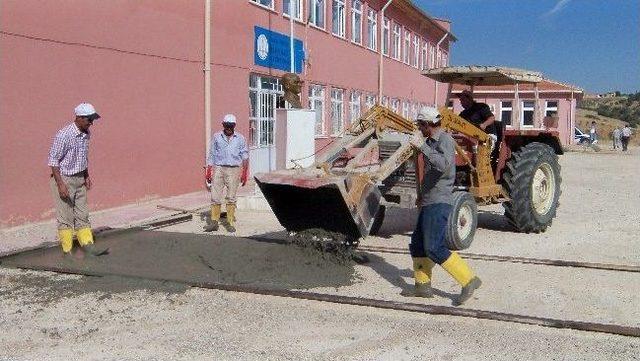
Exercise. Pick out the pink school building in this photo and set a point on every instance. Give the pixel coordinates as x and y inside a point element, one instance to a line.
<point>140,62</point>
<point>554,99</point>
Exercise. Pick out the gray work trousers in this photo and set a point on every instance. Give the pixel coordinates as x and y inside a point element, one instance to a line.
<point>72,213</point>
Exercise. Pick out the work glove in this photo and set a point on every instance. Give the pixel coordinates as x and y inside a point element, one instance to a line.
<point>417,140</point>
<point>208,176</point>
<point>244,175</point>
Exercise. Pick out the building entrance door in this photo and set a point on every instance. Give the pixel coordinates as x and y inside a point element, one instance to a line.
<point>265,95</point>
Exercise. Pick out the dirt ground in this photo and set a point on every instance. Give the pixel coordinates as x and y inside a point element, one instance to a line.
<point>49,316</point>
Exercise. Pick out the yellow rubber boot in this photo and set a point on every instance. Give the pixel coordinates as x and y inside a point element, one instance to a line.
<point>231,217</point>
<point>85,238</point>
<point>66,240</point>
<point>422,267</point>
<point>216,209</point>
<point>462,273</point>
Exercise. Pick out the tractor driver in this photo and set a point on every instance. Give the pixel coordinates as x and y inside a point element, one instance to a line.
<point>478,114</point>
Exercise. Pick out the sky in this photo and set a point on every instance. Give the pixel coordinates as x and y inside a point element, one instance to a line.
<point>594,44</point>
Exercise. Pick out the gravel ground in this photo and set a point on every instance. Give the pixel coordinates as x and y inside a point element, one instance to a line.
<point>48,316</point>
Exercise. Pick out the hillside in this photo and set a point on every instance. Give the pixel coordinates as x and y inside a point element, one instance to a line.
<point>609,113</point>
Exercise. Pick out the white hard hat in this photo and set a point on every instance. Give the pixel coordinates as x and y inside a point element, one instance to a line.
<point>428,114</point>
<point>86,110</point>
<point>229,118</point>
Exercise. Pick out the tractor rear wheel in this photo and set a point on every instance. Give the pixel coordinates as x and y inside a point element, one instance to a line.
<point>532,181</point>
<point>463,221</point>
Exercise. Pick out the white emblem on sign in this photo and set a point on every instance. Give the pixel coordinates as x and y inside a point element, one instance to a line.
<point>263,47</point>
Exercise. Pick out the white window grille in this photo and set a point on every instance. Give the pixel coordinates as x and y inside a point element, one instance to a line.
<point>405,109</point>
<point>265,95</point>
<point>266,3</point>
<point>414,110</point>
<point>385,101</point>
<point>526,114</point>
<point>337,111</point>
<point>407,46</point>
<point>317,13</point>
<point>432,56</point>
<point>416,51</point>
<point>551,108</point>
<point>423,57</point>
<point>338,20</point>
<point>316,102</point>
<point>356,21</point>
<point>372,30</point>
<point>395,105</point>
<point>386,28</point>
<point>370,101</point>
<point>354,106</point>
<point>444,60</point>
<point>439,60</point>
<point>396,45</point>
<point>297,8</point>
<point>506,110</point>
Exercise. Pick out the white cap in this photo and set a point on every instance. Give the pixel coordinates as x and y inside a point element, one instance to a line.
<point>86,110</point>
<point>229,118</point>
<point>429,115</point>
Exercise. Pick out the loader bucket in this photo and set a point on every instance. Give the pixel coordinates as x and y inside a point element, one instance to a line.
<point>304,200</point>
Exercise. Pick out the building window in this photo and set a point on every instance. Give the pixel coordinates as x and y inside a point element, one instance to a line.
<point>316,102</point>
<point>414,111</point>
<point>316,13</point>
<point>416,51</point>
<point>354,106</point>
<point>423,58</point>
<point>265,95</point>
<point>356,21</point>
<point>385,101</point>
<point>407,46</point>
<point>506,109</point>
<point>372,30</point>
<point>444,60</point>
<point>385,36</point>
<point>395,105</point>
<point>337,111</point>
<point>551,108</point>
<point>527,113</point>
<point>405,109</point>
<point>265,3</point>
<point>338,20</point>
<point>439,59</point>
<point>297,8</point>
<point>369,102</point>
<point>432,56</point>
<point>396,44</point>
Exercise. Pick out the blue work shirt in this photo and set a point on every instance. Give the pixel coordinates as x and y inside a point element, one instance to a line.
<point>227,151</point>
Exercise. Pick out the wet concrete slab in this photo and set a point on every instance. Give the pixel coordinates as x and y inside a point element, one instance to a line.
<point>192,258</point>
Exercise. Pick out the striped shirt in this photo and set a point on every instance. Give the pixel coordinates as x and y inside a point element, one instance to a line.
<point>70,150</point>
<point>227,151</point>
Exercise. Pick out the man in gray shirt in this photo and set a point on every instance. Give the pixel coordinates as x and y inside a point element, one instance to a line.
<point>428,245</point>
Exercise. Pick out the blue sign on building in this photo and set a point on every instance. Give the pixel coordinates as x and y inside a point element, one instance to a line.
<point>272,50</point>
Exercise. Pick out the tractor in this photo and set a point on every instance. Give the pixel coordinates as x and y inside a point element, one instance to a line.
<point>347,189</point>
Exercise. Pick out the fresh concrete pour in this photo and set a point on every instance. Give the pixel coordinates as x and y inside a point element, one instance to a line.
<point>180,257</point>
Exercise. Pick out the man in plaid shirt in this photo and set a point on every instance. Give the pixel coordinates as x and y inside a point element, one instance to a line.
<point>70,181</point>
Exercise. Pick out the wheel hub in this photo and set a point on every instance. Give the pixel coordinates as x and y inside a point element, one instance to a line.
<point>543,189</point>
<point>464,224</point>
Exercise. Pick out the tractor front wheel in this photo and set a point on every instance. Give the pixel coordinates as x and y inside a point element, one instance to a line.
<point>463,221</point>
<point>532,181</point>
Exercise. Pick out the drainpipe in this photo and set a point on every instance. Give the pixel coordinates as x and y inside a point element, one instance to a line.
<point>207,76</point>
<point>435,96</point>
<point>381,27</point>
<point>292,55</point>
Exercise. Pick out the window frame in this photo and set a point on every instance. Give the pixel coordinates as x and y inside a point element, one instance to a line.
<point>355,103</point>
<point>547,108</point>
<point>416,51</point>
<point>406,49</point>
<point>338,103</point>
<point>312,105</point>
<point>313,14</point>
<point>354,13</point>
<point>342,23</point>
<point>257,3</point>
<point>372,31</point>
<point>386,36</point>
<point>424,56</point>
<point>396,42</point>
<point>300,13</point>
<point>524,109</point>
<point>506,109</point>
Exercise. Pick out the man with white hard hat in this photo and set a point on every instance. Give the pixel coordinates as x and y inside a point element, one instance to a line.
<point>228,159</point>
<point>70,180</point>
<point>428,245</point>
